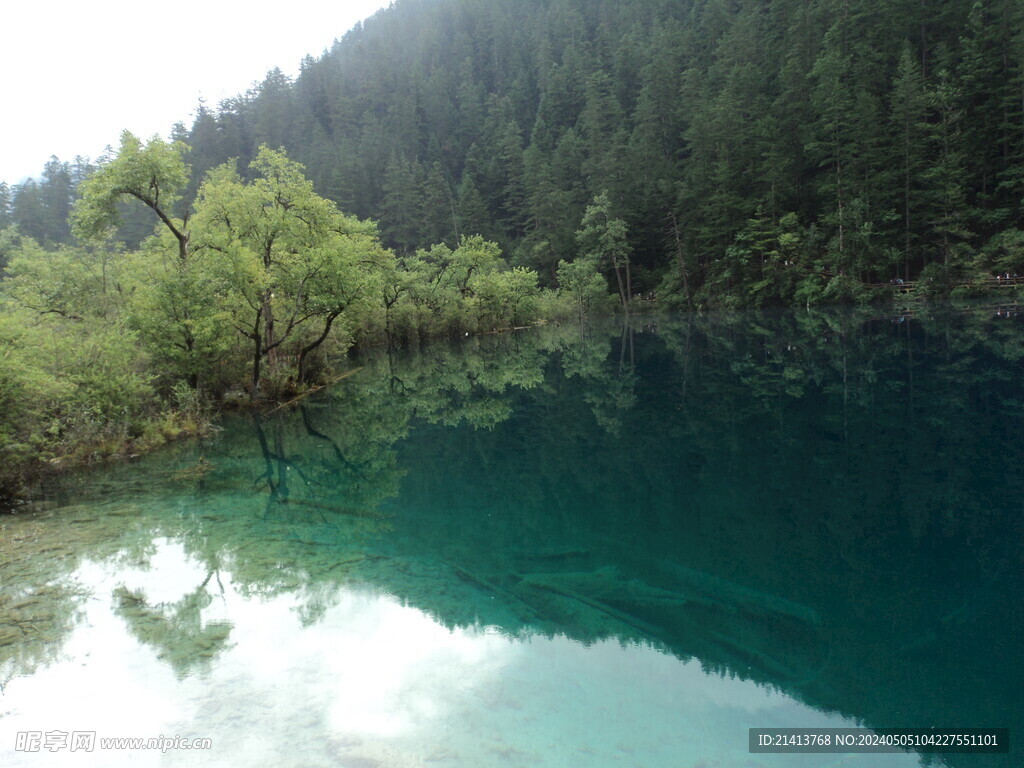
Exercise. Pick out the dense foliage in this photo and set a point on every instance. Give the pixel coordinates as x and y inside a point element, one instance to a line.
<point>106,350</point>
<point>758,152</point>
<point>707,152</point>
<point>675,488</point>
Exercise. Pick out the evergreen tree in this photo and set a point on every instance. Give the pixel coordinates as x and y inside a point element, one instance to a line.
<point>892,131</point>
<point>401,208</point>
<point>473,218</point>
<point>948,205</point>
<point>6,206</point>
<point>440,216</point>
<point>29,211</point>
<point>909,112</point>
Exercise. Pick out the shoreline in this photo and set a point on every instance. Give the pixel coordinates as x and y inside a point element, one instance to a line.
<point>23,485</point>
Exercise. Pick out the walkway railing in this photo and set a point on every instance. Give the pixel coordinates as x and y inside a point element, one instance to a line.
<point>985,282</point>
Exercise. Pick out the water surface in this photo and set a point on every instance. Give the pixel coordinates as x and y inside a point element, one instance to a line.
<point>622,546</point>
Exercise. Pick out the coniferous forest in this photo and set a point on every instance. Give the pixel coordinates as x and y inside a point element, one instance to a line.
<point>457,166</point>
<point>758,152</point>
<point>760,470</point>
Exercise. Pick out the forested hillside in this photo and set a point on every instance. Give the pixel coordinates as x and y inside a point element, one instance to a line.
<point>759,151</point>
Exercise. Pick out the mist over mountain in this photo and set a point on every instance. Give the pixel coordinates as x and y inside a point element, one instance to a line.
<point>759,151</point>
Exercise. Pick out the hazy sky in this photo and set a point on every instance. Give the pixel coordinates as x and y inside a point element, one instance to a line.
<point>78,72</point>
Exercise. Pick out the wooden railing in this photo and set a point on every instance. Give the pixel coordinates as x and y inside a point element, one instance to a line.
<point>985,282</point>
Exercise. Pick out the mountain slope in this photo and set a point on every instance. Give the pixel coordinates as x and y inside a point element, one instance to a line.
<point>760,150</point>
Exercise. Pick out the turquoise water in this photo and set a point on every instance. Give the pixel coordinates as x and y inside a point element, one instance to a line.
<point>617,547</point>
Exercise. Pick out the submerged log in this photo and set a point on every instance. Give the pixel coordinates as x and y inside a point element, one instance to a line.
<point>309,392</point>
<point>713,590</point>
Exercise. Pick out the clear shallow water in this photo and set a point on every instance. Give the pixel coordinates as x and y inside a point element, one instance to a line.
<point>623,549</point>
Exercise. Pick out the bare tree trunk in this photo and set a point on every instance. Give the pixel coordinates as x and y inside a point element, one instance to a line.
<point>268,324</point>
<point>282,464</point>
<point>682,260</point>
<point>257,358</point>
<point>455,218</point>
<point>316,343</point>
<point>622,346</point>
<point>839,202</point>
<point>618,278</point>
<point>906,206</point>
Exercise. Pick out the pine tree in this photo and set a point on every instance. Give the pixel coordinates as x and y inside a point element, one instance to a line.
<point>6,206</point>
<point>29,211</point>
<point>401,209</point>
<point>473,218</point>
<point>694,115</point>
<point>602,128</point>
<point>440,218</point>
<point>834,101</point>
<point>909,126</point>
<point>949,212</point>
<point>57,195</point>
<point>273,106</point>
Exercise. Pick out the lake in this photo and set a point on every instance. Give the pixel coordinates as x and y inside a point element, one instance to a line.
<point>623,545</point>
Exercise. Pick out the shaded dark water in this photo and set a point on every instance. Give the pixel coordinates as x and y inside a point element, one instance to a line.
<point>624,547</point>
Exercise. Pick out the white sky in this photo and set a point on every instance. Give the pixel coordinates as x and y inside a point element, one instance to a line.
<point>78,72</point>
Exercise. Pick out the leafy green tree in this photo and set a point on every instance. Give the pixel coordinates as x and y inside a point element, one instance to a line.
<point>177,312</point>
<point>153,173</point>
<point>443,281</point>
<point>583,283</point>
<point>507,298</point>
<point>693,116</point>
<point>602,239</point>
<point>1003,254</point>
<point>286,258</point>
<point>9,243</point>
<point>70,282</point>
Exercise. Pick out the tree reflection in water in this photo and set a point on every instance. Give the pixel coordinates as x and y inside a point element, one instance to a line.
<point>826,504</point>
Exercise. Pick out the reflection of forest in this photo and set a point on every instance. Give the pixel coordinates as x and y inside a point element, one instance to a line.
<point>829,504</point>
